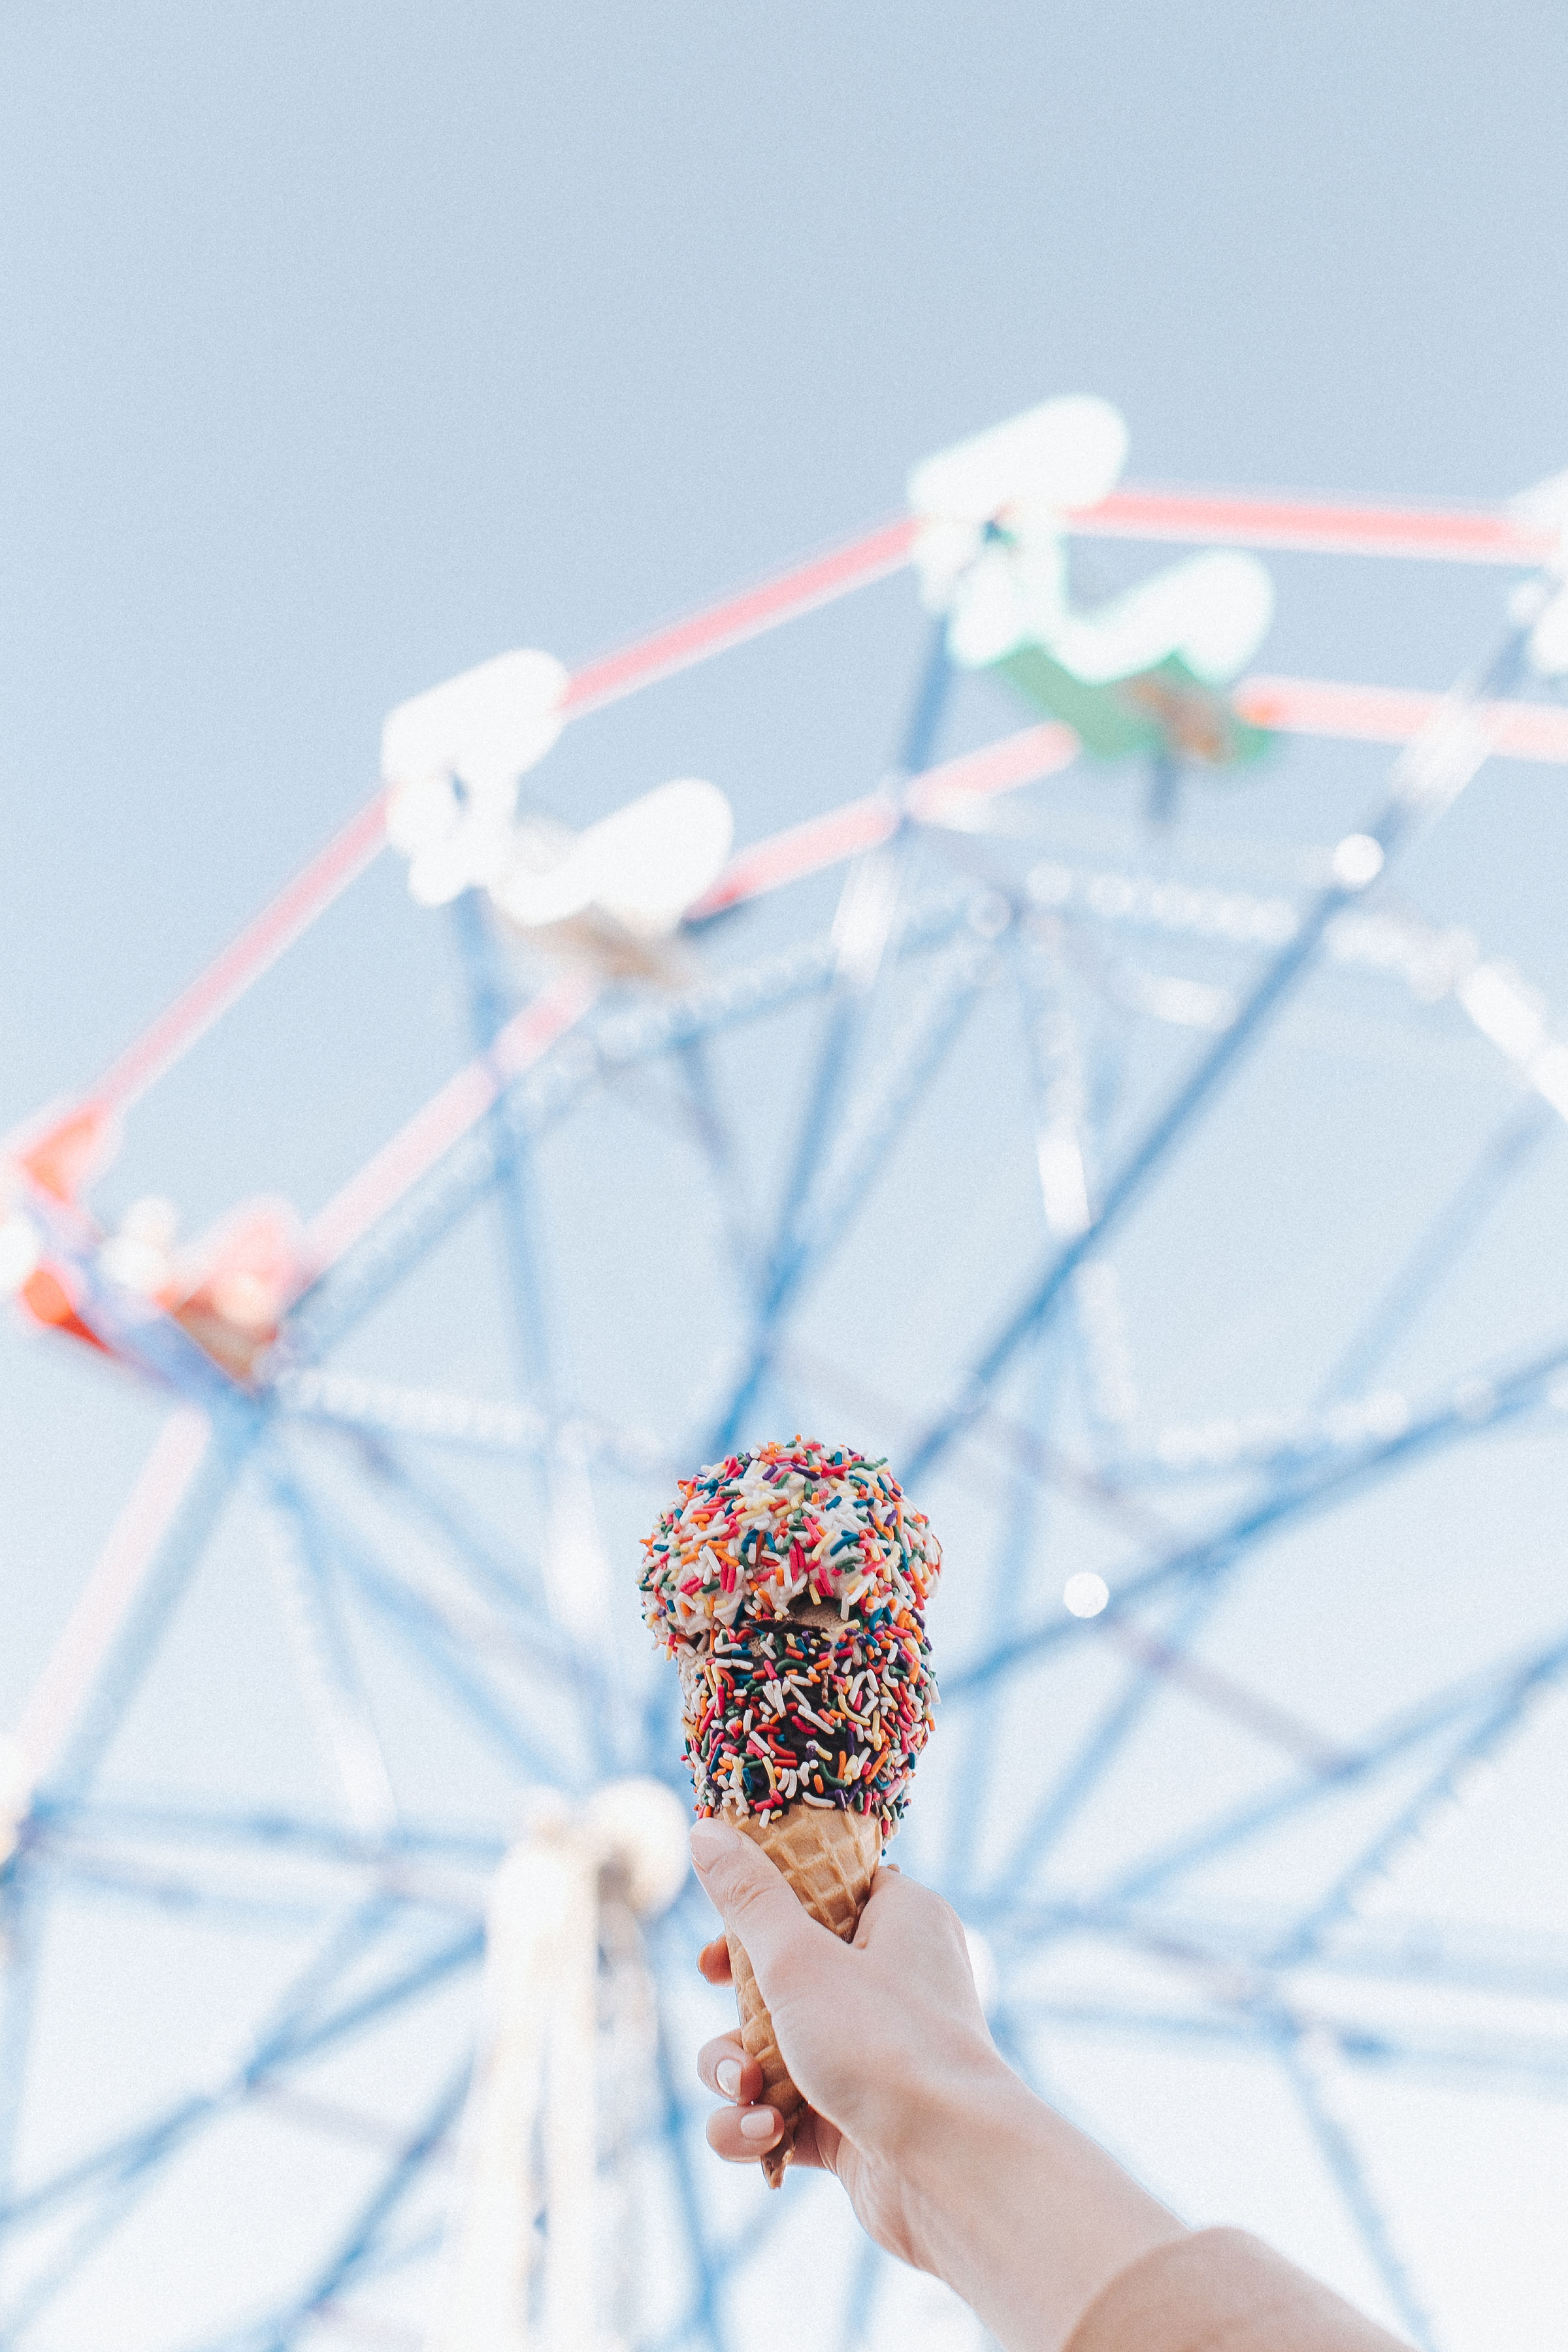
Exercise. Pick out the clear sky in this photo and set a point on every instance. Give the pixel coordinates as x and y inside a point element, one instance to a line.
<point>345,345</point>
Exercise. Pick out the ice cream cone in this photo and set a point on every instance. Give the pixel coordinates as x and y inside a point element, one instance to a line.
<point>829,1858</point>
<point>789,1584</point>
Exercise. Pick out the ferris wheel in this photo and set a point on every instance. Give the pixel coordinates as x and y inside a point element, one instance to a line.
<point>349,1946</point>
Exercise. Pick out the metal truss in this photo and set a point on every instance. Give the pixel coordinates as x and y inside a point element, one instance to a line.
<point>353,1495</point>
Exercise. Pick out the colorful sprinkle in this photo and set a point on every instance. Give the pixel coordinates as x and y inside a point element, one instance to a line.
<point>779,1709</point>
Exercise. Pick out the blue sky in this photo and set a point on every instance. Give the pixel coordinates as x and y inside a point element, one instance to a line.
<point>347,346</point>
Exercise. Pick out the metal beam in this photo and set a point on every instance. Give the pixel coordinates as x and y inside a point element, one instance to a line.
<point>862,932</point>
<point>1505,1155</point>
<point>363,2235</point>
<point>1427,780</point>
<point>1474,1696</point>
<point>826,1208</point>
<point>286,2039</point>
<point>1304,2070</point>
<point>491,1006</point>
<point>402,1234</point>
<point>1474,1407</point>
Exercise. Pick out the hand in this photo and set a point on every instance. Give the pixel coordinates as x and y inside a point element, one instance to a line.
<point>866,2031</point>
<point>949,2162</point>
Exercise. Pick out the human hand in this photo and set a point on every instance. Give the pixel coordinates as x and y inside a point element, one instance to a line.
<point>949,2162</point>
<point>885,2037</point>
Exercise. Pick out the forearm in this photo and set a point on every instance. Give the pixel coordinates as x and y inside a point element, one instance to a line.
<point>1021,2214</point>
<point>955,2167</point>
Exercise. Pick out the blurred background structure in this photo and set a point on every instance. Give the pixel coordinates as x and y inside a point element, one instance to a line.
<point>1113,1069</point>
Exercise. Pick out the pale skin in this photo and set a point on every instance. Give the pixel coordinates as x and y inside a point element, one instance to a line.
<point>949,2160</point>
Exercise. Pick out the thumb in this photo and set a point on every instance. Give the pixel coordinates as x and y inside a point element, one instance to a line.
<point>755,1901</point>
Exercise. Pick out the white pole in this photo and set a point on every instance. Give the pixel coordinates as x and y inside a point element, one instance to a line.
<point>570,2121</point>
<point>530,2138</point>
<point>490,2240</point>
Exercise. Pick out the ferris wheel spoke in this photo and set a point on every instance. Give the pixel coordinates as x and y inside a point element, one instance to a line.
<point>278,1871</point>
<point>1499,1724</point>
<point>713,1130</point>
<point>1159,1664</point>
<point>70,1864</point>
<point>1159,1659</point>
<point>1024,1521</point>
<point>365,2238</point>
<point>804,1244</point>
<point>329,1675</point>
<point>944,800</point>
<point>126,1613</point>
<point>907,1068</point>
<point>1065,1154</point>
<point>1391,1316</point>
<point>114,2206</point>
<point>534,1640</point>
<point>493,1564</point>
<point>416,1206</point>
<point>406,1230</point>
<point>1305,2069</point>
<point>116,2177</point>
<point>1098,1751</point>
<point>1011,1443</point>
<point>1472,1408</point>
<point>1427,780</point>
<point>128,1559</point>
<point>256,1832</point>
<point>1537,2064</point>
<point>1494,1696</point>
<point>516,1195</point>
<point>438,1646</point>
<point>446,1418</point>
<point>862,929</point>
<point>459,1117</point>
<point>21,1904</point>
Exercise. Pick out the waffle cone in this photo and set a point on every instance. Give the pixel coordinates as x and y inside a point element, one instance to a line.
<point>830,1860</point>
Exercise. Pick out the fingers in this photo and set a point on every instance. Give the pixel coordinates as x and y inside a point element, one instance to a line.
<point>713,1960</point>
<point>723,2066</point>
<point>745,2135</point>
<point>742,2134</point>
<point>756,1904</point>
<point>744,2131</point>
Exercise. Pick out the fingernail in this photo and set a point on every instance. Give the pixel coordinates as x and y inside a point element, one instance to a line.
<point>759,2123</point>
<point>727,2074</point>
<point>709,1839</point>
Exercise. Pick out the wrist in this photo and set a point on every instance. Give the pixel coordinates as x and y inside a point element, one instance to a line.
<point>975,2121</point>
<point>1016,2210</point>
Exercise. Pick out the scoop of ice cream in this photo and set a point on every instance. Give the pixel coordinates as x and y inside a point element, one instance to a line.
<point>790,1586</point>
<point>766,1535</point>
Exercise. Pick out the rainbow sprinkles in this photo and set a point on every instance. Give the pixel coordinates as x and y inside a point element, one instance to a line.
<point>790,1586</point>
